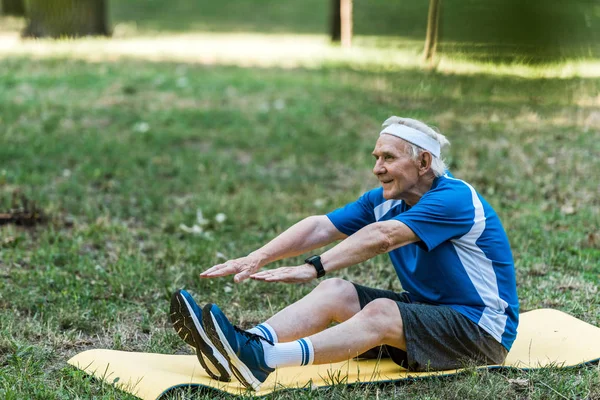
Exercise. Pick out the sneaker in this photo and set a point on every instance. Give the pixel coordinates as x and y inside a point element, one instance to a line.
<point>186,317</point>
<point>243,350</point>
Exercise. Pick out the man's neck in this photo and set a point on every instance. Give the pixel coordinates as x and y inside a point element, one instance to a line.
<point>417,191</point>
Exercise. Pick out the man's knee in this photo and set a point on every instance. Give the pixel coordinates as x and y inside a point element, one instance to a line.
<point>383,315</point>
<point>381,309</point>
<point>341,296</point>
<point>336,287</point>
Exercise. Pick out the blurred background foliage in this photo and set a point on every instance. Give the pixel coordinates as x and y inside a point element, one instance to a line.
<point>488,30</point>
<point>534,30</point>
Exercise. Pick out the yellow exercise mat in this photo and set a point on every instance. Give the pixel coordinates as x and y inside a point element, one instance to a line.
<point>546,338</point>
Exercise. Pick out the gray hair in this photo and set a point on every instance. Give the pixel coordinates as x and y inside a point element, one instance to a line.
<point>438,165</point>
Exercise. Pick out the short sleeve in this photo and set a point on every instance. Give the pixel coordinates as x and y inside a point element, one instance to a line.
<point>354,216</point>
<point>440,215</point>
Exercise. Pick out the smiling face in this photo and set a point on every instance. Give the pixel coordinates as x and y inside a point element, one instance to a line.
<point>396,170</point>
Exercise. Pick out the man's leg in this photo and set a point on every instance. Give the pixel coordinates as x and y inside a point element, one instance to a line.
<point>252,359</point>
<point>334,300</point>
<point>378,323</point>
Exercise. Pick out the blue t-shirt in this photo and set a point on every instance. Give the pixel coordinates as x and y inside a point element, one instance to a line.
<point>463,259</point>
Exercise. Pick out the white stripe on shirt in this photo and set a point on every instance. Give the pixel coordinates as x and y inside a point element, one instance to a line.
<point>481,272</point>
<point>384,207</point>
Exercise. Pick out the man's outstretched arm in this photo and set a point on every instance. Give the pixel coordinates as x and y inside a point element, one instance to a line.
<point>372,240</point>
<point>308,234</point>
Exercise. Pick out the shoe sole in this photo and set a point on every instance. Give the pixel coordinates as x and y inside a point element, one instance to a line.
<point>237,366</point>
<point>189,329</point>
<point>177,319</point>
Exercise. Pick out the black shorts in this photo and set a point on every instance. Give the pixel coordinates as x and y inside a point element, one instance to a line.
<point>437,337</point>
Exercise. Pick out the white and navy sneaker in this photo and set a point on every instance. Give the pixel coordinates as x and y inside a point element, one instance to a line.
<point>243,350</point>
<point>186,317</point>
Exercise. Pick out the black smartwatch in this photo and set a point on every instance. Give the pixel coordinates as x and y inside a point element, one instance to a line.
<point>315,261</point>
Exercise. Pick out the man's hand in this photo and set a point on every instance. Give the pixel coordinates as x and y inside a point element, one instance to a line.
<point>243,267</point>
<point>299,274</point>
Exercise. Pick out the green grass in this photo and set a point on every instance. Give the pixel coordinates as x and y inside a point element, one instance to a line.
<point>120,152</point>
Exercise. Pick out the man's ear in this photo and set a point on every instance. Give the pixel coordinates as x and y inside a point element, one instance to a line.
<point>425,162</point>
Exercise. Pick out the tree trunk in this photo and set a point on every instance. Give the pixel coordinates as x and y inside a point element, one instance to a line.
<point>433,23</point>
<point>346,22</point>
<point>335,23</point>
<point>13,7</point>
<point>341,22</point>
<point>65,18</point>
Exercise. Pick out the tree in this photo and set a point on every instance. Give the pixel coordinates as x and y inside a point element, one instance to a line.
<point>60,18</point>
<point>431,38</point>
<point>341,22</point>
<point>13,7</point>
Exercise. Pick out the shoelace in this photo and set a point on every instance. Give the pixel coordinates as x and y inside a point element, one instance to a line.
<point>252,337</point>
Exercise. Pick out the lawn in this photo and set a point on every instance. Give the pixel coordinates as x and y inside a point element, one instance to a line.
<point>120,152</point>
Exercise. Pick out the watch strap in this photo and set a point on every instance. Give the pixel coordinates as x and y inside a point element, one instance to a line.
<point>315,261</point>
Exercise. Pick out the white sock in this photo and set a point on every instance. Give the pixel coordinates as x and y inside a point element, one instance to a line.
<point>290,354</point>
<point>264,330</point>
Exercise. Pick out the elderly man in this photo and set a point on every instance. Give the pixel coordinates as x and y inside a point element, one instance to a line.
<point>445,242</point>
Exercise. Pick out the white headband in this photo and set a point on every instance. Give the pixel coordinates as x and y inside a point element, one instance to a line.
<point>413,136</point>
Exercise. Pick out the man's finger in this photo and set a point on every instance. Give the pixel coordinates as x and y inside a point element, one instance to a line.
<point>261,274</point>
<point>279,275</point>
<point>271,278</point>
<point>241,276</point>
<point>220,270</point>
<point>281,278</point>
<point>287,275</point>
<point>266,276</point>
<point>211,270</point>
